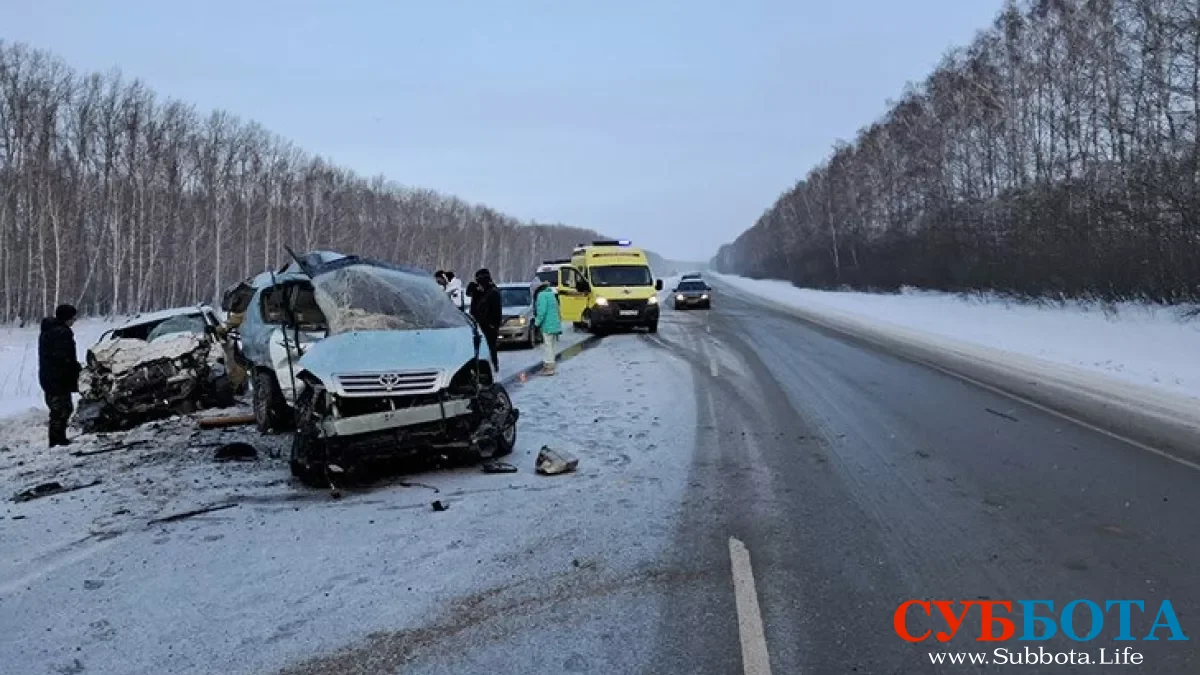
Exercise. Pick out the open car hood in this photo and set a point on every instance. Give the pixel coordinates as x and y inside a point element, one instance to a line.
<point>445,349</point>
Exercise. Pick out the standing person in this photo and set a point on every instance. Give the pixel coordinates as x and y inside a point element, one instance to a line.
<point>487,309</point>
<point>454,288</point>
<point>546,318</point>
<point>58,371</point>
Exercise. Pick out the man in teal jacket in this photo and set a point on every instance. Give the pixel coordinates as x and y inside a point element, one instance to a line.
<point>548,321</point>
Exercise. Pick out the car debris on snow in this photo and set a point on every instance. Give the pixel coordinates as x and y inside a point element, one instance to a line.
<point>118,445</point>
<point>551,462</point>
<point>191,514</point>
<point>226,421</point>
<point>49,490</point>
<point>498,467</point>
<point>439,505</point>
<point>240,452</point>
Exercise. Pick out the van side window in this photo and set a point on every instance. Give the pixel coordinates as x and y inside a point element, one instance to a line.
<point>273,303</point>
<point>569,277</point>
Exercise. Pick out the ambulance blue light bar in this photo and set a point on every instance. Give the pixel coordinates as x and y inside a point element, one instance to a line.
<point>612,242</point>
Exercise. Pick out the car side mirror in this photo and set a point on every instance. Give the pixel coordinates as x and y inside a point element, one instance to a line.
<point>658,284</point>
<point>583,286</point>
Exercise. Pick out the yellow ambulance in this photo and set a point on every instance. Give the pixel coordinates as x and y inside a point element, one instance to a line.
<point>608,285</point>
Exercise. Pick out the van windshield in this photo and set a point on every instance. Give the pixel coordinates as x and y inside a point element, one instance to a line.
<point>367,298</point>
<point>622,275</point>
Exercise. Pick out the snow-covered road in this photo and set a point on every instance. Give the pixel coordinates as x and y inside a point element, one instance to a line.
<point>754,492</point>
<point>291,574</point>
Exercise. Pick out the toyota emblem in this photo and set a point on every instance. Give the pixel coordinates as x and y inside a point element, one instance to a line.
<point>389,381</point>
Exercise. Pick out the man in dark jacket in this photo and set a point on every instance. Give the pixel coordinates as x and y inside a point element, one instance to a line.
<point>487,308</point>
<point>58,371</point>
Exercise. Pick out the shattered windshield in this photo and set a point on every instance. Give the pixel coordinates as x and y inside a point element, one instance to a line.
<point>178,324</point>
<point>367,298</point>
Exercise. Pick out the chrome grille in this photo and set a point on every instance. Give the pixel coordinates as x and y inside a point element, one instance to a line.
<point>389,383</point>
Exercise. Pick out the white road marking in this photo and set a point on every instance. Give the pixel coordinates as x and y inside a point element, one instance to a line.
<point>755,660</point>
<point>712,366</point>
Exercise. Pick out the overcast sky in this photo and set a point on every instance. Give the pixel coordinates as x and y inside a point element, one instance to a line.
<point>671,123</point>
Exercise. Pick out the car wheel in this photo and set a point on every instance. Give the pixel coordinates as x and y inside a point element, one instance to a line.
<point>309,456</point>
<point>652,326</point>
<point>502,412</point>
<point>678,307</point>
<point>271,412</point>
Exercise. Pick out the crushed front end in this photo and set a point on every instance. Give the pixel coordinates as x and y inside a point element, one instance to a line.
<point>402,374</point>
<point>128,382</point>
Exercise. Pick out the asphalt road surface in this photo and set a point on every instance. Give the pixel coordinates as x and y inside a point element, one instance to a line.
<point>754,496</point>
<point>829,483</point>
<point>858,481</point>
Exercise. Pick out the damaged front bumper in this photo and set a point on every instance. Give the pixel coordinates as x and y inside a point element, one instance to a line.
<point>394,420</point>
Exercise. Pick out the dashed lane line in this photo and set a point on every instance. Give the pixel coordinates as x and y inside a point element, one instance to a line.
<point>755,660</point>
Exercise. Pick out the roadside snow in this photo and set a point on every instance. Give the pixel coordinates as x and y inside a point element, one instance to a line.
<point>1141,344</point>
<point>19,389</point>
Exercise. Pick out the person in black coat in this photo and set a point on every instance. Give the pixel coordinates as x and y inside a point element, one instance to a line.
<point>58,371</point>
<point>487,308</point>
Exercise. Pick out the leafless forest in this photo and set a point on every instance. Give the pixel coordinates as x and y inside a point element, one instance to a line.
<point>1057,155</point>
<point>118,201</point>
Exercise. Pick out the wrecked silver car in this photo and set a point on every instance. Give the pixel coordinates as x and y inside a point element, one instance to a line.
<point>154,366</point>
<point>401,372</point>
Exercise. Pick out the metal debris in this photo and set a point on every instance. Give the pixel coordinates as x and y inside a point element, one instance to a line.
<point>195,512</point>
<point>48,490</point>
<point>551,462</point>
<point>498,467</point>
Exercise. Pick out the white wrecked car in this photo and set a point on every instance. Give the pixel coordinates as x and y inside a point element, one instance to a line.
<point>154,366</point>
<point>401,372</point>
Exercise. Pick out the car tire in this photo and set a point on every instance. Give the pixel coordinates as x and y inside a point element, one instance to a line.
<point>678,307</point>
<point>506,441</point>
<point>652,326</point>
<point>309,457</point>
<point>271,412</point>
<point>496,406</point>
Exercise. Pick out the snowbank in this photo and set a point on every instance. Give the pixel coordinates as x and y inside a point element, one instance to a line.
<point>19,389</point>
<point>1140,344</point>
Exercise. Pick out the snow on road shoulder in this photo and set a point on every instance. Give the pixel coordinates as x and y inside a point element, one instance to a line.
<point>290,574</point>
<point>1140,344</point>
<point>19,388</point>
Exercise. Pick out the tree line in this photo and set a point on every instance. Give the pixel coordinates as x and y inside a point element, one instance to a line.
<point>1056,155</point>
<point>118,201</point>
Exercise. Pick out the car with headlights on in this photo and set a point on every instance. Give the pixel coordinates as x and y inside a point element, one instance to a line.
<point>693,294</point>
<point>517,327</point>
